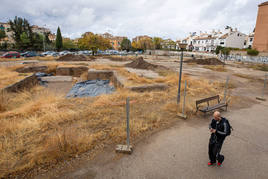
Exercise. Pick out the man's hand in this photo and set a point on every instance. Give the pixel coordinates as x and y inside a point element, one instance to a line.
<point>212,130</point>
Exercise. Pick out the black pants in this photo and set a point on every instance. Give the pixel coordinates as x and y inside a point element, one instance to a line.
<point>214,149</point>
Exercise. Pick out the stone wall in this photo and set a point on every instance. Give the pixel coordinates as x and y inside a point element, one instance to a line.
<point>118,81</point>
<point>71,71</point>
<point>152,87</point>
<point>25,83</point>
<point>106,75</point>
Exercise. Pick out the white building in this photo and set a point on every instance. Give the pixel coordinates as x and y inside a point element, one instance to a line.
<point>249,40</point>
<point>208,42</point>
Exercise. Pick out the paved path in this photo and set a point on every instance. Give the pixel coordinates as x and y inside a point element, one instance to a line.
<point>181,152</point>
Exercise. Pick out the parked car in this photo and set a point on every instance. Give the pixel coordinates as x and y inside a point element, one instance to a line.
<point>65,52</point>
<point>29,54</point>
<point>45,53</point>
<point>11,54</point>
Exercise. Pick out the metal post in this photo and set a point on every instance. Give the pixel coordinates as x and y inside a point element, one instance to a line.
<point>183,108</point>
<point>127,110</point>
<point>179,89</point>
<point>264,85</point>
<point>225,90</point>
<point>44,42</point>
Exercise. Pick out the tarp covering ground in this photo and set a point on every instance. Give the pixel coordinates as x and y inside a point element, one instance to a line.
<point>91,88</point>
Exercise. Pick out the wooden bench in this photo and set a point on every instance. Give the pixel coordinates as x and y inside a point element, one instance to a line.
<point>209,108</point>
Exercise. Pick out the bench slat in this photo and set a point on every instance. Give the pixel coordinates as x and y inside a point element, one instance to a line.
<point>207,99</point>
<point>210,108</point>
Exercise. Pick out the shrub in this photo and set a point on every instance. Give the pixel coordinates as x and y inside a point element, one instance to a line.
<point>252,52</point>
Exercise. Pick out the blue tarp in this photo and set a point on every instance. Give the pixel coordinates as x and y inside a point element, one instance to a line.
<point>90,88</point>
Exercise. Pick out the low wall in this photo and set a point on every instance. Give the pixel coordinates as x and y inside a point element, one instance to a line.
<point>152,87</point>
<point>106,75</point>
<point>71,71</point>
<point>25,83</point>
<point>118,81</point>
<point>30,69</point>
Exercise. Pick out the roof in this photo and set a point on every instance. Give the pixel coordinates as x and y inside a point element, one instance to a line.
<point>204,38</point>
<point>224,36</point>
<point>264,4</point>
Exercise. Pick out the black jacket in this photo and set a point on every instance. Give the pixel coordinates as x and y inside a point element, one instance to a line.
<point>221,129</point>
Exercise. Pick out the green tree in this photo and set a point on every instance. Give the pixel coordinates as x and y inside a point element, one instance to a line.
<point>93,42</point>
<point>2,34</point>
<point>157,42</point>
<point>218,49</point>
<point>252,52</point>
<point>25,41</point>
<point>69,44</point>
<point>19,26</point>
<point>59,44</point>
<point>126,44</point>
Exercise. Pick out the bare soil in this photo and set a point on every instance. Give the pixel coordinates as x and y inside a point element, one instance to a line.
<point>206,61</point>
<point>71,57</point>
<point>142,64</point>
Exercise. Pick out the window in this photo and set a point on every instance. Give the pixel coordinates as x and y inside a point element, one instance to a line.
<point>222,43</point>
<point>251,39</point>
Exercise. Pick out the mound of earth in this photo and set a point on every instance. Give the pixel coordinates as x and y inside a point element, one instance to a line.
<point>139,63</point>
<point>71,57</point>
<point>119,59</point>
<point>206,61</point>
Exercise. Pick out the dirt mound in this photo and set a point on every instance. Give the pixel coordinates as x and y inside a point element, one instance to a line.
<point>71,57</point>
<point>139,63</point>
<point>119,59</point>
<point>205,61</point>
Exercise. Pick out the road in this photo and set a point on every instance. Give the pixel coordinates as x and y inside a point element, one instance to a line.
<point>181,152</point>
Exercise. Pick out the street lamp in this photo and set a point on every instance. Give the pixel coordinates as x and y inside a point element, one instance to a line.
<point>182,47</point>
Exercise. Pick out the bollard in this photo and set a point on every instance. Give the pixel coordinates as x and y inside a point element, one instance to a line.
<point>127,149</point>
<point>182,115</point>
<point>184,94</point>
<point>127,111</point>
<point>263,91</point>
<point>225,90</point>
<point>179,87</point>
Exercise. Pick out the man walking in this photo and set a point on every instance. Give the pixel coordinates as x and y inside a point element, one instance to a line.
<point>219,130</point>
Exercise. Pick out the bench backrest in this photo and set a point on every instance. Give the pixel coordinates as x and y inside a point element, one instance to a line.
<point>208,99</point>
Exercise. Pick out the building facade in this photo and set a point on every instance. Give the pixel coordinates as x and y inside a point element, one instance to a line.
<point>115,41</point>
<point>6,27</point>
<point>260,42</point>
<point>208,42</point>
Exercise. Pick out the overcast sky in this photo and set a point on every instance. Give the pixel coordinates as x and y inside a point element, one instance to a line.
<point>164,18</point>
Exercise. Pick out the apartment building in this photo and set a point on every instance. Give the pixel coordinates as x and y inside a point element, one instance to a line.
<point>40,30</point>
<point>138,38</point>
<point>115,41</point>
<point>6,27</point>
<point>208,42</point>
<point>249,40</point>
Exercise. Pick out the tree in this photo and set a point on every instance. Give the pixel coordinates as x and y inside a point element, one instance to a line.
<point>157,43</point>
<point>19,26</point>
<point>93,42</point>
<point>69,44</point>
<point>59,44</point>
<point>25,40</point>
<point>2,34</point>
<point>218,49</point>
<point>126,44</point>
<point>143,44</point>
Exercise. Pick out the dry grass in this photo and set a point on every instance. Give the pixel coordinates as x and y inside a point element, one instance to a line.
<point>261,67</point>
<point>39,128</point>
<point>8,76</point>
<point>218,68</point>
